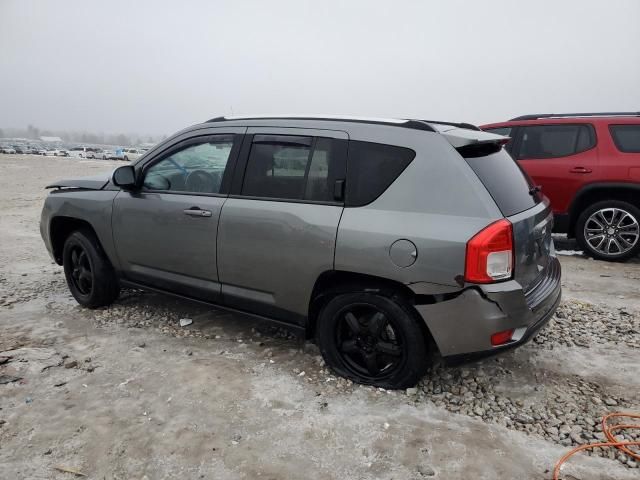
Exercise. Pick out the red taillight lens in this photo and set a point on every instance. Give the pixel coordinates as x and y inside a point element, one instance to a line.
<point>501,338</point>
<point>490,254</point>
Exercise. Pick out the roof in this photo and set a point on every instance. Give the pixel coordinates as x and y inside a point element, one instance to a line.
<point>50,139</point>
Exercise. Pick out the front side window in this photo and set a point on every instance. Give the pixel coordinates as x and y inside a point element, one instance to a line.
<point>194,169</point>
<point>550,141</point>
<point>626,137</point>
<point>293,167</point>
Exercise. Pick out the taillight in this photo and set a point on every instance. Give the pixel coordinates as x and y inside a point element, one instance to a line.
<point>490,254</point>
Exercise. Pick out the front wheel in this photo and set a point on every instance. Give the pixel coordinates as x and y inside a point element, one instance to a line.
<point>89,274</point>
<point>609,230</point>
<point>373,340</point>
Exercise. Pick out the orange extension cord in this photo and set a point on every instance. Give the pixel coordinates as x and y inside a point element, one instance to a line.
<point>613,442</point>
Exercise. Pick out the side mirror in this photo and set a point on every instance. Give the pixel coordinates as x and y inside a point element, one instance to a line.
<point>125,177</point>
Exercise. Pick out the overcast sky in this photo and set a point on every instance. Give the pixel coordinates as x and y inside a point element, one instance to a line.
<point>156,67</point>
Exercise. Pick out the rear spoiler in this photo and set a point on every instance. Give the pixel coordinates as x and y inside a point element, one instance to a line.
<point>465,137</point>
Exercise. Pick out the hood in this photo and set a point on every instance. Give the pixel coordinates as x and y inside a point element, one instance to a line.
<point>94,182</point>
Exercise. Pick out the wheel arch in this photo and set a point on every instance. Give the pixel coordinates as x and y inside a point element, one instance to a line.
<point>596,192</point>
<point>61,227</point>
<point>335,282</point>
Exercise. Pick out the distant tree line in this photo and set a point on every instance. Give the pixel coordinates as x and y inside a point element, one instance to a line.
<point>121,139</point>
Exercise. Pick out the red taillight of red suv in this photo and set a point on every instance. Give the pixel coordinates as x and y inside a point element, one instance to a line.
<point>490,254</point>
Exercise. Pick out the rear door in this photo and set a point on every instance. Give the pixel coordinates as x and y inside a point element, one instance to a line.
<point>561,158</point>
<point>165,233</point>
<point>278,228</point>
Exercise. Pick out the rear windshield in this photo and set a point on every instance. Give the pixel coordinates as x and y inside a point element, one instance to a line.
<point>506,182</point>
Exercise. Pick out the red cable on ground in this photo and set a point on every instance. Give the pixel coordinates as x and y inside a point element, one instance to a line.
<point>613,442</point>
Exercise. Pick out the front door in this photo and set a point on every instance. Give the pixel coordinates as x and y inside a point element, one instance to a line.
<point>278,228</point>
<point>165,233</point>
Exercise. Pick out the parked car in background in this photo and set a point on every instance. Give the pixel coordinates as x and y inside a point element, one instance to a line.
<point>78,152</point>
<point>93,152</point>
<point>109,155</point>
<point>20,149</point>
<point>86,152</point>
<point>7,149</point>
<point>42,151</point>
<point>61,152</point>
<point>588,164</point>
<point>447,246</point>
<point>131,154</point>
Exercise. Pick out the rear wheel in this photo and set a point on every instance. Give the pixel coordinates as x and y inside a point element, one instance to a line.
<point>90,276</point>
<point>372,339</point>
<point>609,230</point>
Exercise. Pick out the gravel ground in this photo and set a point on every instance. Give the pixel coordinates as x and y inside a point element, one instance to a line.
<point>125,392</point>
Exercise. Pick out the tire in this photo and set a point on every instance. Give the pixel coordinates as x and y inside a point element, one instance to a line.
<point>89,274</point>
<point>620,233</point>
<point>398,349</point>
<point>126,159</point>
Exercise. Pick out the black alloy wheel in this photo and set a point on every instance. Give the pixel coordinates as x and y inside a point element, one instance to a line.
<point>373,339</point>
<point>81,274</point>
<point>367,341</point>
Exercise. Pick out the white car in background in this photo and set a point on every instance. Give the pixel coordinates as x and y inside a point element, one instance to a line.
<point>7,149</point>
<point>131,154</point>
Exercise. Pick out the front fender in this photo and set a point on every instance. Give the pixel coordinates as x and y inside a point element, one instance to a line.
<point>93,207</point>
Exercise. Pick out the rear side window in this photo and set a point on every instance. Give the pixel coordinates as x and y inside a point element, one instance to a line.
<point>551,141</point>
<point>504,180</point>
<point>294,167</point>
<point>626,137</point>
<point>371,168</point>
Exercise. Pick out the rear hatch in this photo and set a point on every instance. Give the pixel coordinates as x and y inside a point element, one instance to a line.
<point>515,195</point>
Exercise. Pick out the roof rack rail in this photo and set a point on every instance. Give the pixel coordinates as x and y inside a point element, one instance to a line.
<point>467,126</point>
<point>588,114</point>
<point>405,123</point>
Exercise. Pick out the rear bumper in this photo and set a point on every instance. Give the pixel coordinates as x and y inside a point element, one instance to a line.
<point>462,327</point>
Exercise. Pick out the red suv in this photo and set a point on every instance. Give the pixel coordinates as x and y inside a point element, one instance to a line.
<point>588,164</point>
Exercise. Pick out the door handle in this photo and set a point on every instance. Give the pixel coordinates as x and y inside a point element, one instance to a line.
<point>580,170</point>
<point>197,212</point>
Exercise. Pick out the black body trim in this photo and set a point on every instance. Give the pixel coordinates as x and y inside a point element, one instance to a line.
<point>299,329</point>
<point>560,222</point>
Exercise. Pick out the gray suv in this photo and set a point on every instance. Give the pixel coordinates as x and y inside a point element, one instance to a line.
<point>385,240</point>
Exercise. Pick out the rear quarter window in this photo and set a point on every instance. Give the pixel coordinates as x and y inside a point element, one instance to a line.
<point>626,137</point>
<point>371,168</point>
